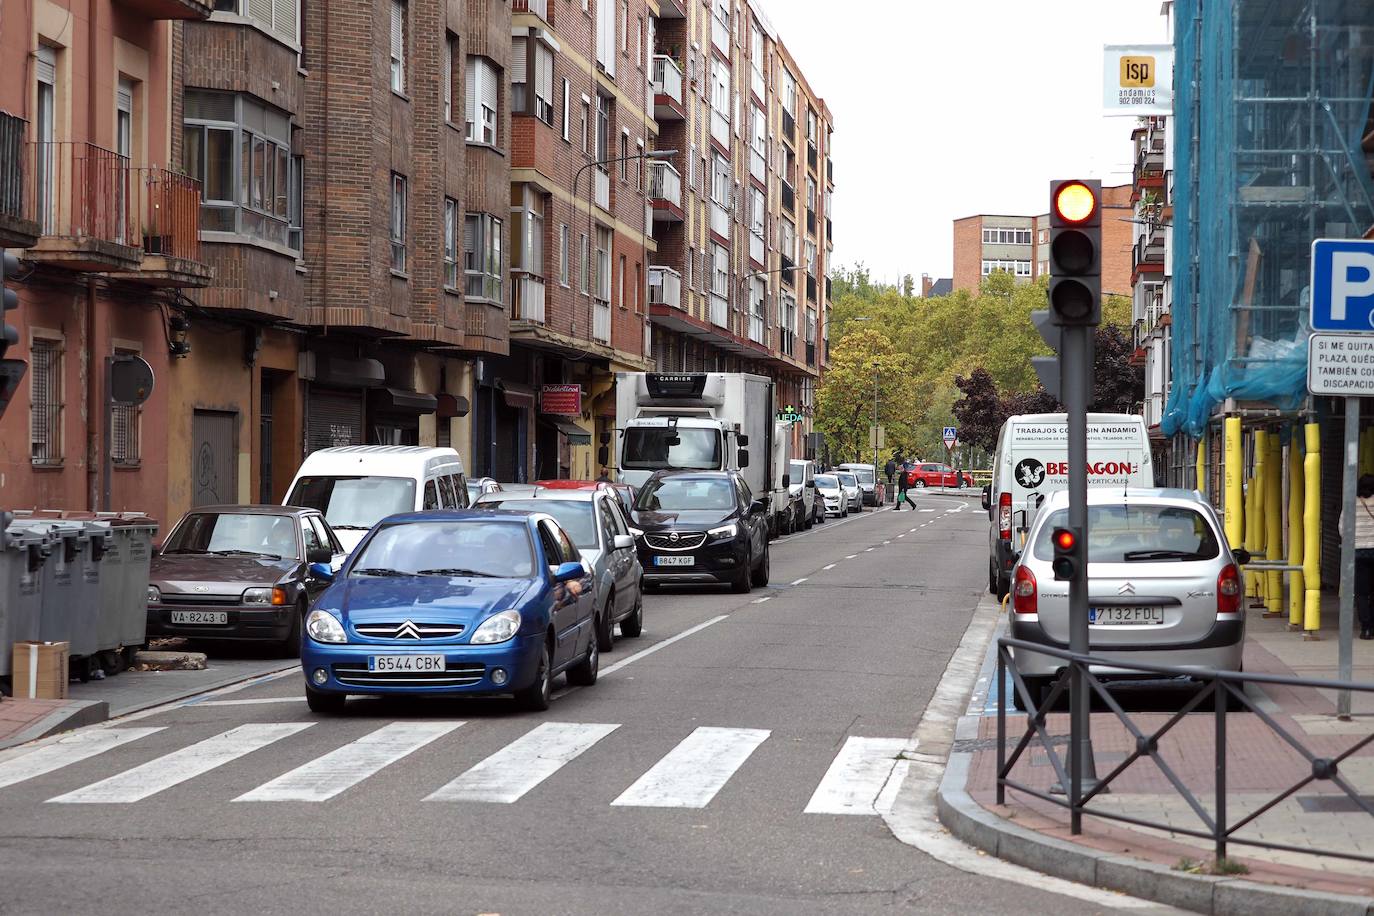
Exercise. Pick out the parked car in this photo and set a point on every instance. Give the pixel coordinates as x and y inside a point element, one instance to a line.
<point>702,526</point>
<point>1164,588</point>
<point>594,520</point>
<point>479,486</point>
<point>831,495</point>
<point>357,486</point>
<point>241,573</point>
<point>931,474</point>
<point>853,491</point>
<point>802,476</point>
<point>623,491</point>
<point>454,602</point>
<point>868,481</point>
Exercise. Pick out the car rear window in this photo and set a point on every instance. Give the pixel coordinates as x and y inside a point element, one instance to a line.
<point>827,481</point>
<point>1138,534</point>
<point>431,548</point>
<point>574,515</point>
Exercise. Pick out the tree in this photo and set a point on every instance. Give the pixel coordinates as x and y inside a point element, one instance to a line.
<point>1117,385</point>
<point>844,405</point>
<point>979,411</point>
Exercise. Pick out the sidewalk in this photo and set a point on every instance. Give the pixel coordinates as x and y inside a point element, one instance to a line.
<point>1160,865</point>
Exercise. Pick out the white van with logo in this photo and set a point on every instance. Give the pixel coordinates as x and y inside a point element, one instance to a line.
<point>359,485</point>
<point>1032,462</point>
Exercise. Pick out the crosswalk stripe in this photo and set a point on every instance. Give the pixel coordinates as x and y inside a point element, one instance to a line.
<point>323,778</point>
<point>179,766</point>
<point>66,751</point>
<point>518,767</point>
<point>693,772</point>
<point>857,776</point>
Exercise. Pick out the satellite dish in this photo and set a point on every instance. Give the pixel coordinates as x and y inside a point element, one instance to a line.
<point>131,380</point>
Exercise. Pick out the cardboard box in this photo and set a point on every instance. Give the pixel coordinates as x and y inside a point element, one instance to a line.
<point>40,670</point>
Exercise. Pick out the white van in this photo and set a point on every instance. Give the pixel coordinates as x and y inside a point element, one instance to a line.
<point>1032,461</point>
<point>359,485</point>
<point>802,487</point>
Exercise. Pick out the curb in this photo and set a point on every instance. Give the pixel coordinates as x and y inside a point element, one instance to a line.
<point>76,714</point>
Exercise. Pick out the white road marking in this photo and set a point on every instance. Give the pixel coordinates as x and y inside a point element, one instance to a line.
<point>869,549</point>
<point>799,581</point>
<point>508,774</point>
<point>691,774</point>
<point>662,645</point>
<point>65,751</point>
<point>323,778</point>
<point>885,543</point>
<point>851,556</point>
<point>299,699</point>
<point>762,600</point>
<point>927,510</point>
<point>179,766</point>
<point>831,566</point>
<point>902,535</point>
<point>858,775</point>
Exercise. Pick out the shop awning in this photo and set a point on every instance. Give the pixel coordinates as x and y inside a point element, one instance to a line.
<point>453,405</point>
<point>516,394</point>
<point>576,434</point>
<point>402,401</point>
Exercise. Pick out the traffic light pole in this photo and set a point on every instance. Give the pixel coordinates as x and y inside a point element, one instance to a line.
<point>1077,382</point>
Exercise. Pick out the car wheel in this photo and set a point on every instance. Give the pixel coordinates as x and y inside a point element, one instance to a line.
<point>919,484</point>
<point>329,704</point>
<point>742,583</point>
<point>633,625</point>
<point>1036,686</point>
<point>535,697</point>
<point>605,630</point>
<point>583,674</point>
<point>992,578</point>
<point>291,645</point>
<point>810,518</point>
<point>760,575</point>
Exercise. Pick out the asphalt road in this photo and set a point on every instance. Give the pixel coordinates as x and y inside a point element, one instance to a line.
<point>695,801</point>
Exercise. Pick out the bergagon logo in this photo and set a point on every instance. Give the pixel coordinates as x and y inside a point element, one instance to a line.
<point>1030,473</point>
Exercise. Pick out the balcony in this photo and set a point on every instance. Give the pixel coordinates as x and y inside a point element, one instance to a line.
<point>601,184</point>
<point>789,128</point>
<point>789,197</point>
<point>757,84</point>
<point>720,311</point>
<point>811,221</point>
<point>787,341</point>
<point>601,322</point>
<point>539,8</point>
<point>18,225</point>
<point>667,90</point>
<point>672,9</point>
<point>166,206</point>
<point>720,220</point>
<point>527,298</point>
<point>665,287</point>
<point>758,166</point>
<point>81,196</point>
<point>756,248</point>
<point>829,230</point>
<point>811,353</point>
<point>810,288</point>
<point>786,268</point>
<point>829,170</point>
<point>720,128</point>
<point>168,9</point>
<point>827,289</point>
<point>1147,257</point>
<point>811,155</point>
<point>758,329</point>
<point>720,35</point>
<point>665,192</point>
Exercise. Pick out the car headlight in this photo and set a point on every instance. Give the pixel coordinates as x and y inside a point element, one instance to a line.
<point>154,595</point>
<point>324,627</point>
<point>273,596</point>
<point>724,531</point>
<point>497,628</point>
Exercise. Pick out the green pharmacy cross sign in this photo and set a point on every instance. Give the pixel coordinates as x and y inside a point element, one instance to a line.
<point>789,414</point>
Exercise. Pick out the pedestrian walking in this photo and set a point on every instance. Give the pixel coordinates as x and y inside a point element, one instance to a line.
<point>1364,554</point>
<point>889,469</point>
<point>903,491</point>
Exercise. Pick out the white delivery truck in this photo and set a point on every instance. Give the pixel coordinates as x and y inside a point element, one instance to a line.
<point>718,421</point>
<point>1032,461</point>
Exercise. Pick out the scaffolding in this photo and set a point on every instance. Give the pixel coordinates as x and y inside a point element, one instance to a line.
<point>1274,143</point>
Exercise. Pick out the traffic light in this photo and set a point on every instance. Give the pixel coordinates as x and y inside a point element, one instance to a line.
<point>1076,252</point>
<point>1068,554</point>
<point>11,370</point>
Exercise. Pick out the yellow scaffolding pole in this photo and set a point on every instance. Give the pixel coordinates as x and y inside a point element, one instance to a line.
<point>1254,516</point>
<point>1312,531</point>
<point>1273,524</point>
<point>1200,478</point>
<point>1296,538</point>
<point>1234,496</point>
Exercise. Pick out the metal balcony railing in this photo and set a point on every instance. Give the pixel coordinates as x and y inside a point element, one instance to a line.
<point>14,202</point>
<point>667,78</point>
<point>81,190</point>
<point>528,298</point>
<point>539,7</point>
<point>601,182</point>
<point>720,311</point>
<point>720,34</point>
<point>601,322</point>
<point>758,165</point>
<point>811,155</point>
<point>167,207</point>
<point>665,183</point>
<point>665,287</point>
<point>789,127</point>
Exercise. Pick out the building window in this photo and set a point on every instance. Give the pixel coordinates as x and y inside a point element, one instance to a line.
<point>563,255</point>
<point>450,243</point>
<point>603,265</point>
<point>567,89</point>
<point>45,401</point>
<point>603,128</point>
<point>484,78</point>
<point>278,17</point>
<point>720,270</point>
<point>527,231</point>
<point>126,424</point>
<point>1016,268</point>
<point>625,155</point>
<point>532,66</point>
<point>584,267</point>
<point>1000,236</point>
<point>639,165</point>
<point>586,121</point>
<point>398,222</point>
<point>450,55</point>
<point>482,256</point>
<point>620,284</point>
<point>398,46</point>
<point>239,151</point>
<point>639,286</point>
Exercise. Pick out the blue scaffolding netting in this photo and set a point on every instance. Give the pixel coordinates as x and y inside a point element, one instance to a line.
<point>1273,146</point>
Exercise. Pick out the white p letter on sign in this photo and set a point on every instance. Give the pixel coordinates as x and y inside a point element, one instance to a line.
<point>1343,288</point>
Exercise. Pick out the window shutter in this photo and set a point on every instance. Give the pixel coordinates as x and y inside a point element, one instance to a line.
<point>519,62</point>
<point>397,29</point>
<point>47,65</point>
<point>284,19</point>
<point>488,84</point>
<point>543,73</point>
<point>448,79</point>
<point>260,11</point>
<point>473,117</point>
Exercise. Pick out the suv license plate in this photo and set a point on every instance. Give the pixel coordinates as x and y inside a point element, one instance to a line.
<point>674,561</point>
<point>405,663</point>
<point>1125,616</point>
<point>214,618</point>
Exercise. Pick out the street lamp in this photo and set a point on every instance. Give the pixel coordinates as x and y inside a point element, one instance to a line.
<point>875,412</point>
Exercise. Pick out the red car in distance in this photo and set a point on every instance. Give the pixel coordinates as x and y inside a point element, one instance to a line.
<point>622,490</point>
<point>931,474</point>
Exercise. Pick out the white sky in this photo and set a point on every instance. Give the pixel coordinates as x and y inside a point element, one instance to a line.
<point>946,108</point>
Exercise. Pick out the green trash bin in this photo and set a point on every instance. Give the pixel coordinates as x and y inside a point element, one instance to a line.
<point>24,552</point>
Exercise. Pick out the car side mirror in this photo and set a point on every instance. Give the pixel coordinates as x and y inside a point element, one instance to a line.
<point>987,497</point>
<point>603,456</point>
<point>322,571</point>
<point>317,555</point>
<point>787,480</point>
<point>743,440</point>
<point>623,542</point>
<point>743,458</point>
<point>567,572</point>
<point>1242,556</point>
<point>758,505</point>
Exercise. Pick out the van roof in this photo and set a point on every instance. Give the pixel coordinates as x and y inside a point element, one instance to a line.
<point>351,459</point>
<point>1062,418</point>
<point>418,451</point>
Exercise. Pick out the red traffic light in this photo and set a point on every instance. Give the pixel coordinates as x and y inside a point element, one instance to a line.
<point>1064,539</point>
<point>1075,202</point>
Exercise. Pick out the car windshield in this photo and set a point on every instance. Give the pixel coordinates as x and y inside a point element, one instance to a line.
<point>354,502</point>
<point>474,547</point>
<point>574,515</point>
<point>863,475</point>
<point>234,533</point>
<point>798,471</point>
<point>657,447</point>
<point>1138,533</point>
<point>678,494</point>
<point>848,480</point>
<point>827,481</point>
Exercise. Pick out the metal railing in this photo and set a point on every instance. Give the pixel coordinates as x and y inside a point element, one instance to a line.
<point>81,190</point>
<point>601,184</point>
<point>527,298</point>
<point>167,208</point>
<point>1223,688</point>
<point>665,287</point>
<point>601,322</point>
<point>12,161</point>
<point>667,78</point>
<point>665,183</point>
<point>539,7</point>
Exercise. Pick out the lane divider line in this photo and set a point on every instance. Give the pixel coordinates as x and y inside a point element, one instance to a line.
<point>690,631</point>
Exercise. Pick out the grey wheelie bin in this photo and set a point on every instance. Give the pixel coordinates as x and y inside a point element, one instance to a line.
<point>132,534</point>
<point>71,589</point>
<point>24,551</point>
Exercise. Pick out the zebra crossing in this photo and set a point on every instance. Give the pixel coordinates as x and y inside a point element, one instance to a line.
<point>861,779</point>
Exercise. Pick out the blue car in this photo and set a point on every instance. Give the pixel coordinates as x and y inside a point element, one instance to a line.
<point>451,603</point>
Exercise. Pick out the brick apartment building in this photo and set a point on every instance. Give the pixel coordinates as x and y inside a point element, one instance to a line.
<point>741,211</point>
<point>1019,245</point>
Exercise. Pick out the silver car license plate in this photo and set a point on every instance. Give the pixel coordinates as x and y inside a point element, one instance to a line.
<point>674,561</point>
<point>213,618</point>
<point>1125,616</point>
<point>405,663</point>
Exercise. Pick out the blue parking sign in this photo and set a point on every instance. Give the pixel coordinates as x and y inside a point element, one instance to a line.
<point>1343,285</point>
